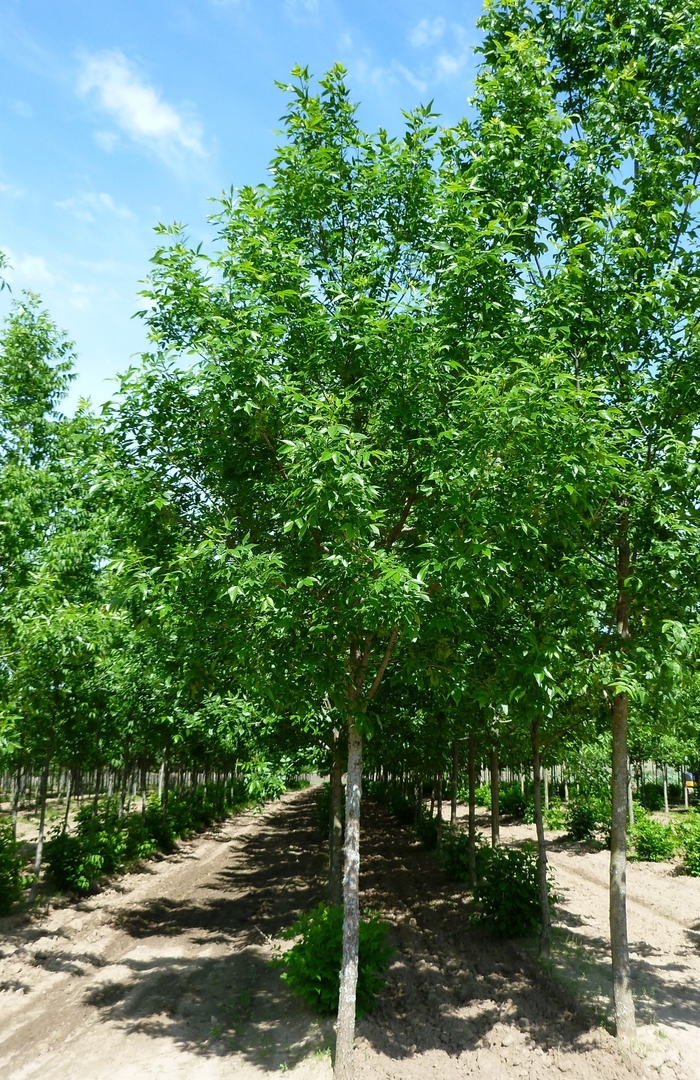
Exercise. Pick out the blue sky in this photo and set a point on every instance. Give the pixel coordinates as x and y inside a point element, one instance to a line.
<point>115,116</point>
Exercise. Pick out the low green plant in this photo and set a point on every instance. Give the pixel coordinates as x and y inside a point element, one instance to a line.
<point>651,795</point>
<point>454,854</point>
<point>588,817</point>
<point>512,802</point>
<point>652,841</point>
<point>507,890</point>
<point>311,967</point>
<point>11,877</point>
<point>427,831</point>
<point>554,816</point>
<point>689,839</point>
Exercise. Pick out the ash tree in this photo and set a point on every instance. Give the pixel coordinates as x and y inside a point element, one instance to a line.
<point>302,415</point>
<point>585,133</point>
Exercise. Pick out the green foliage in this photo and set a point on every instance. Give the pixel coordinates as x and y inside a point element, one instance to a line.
<point>454,854</point>
<point>312,965</point>
<point>651,796</point>
<point>587,817</point>
<point>482,795</point>
<point>554,816</point>
<point>689,837</point>
<point>507,890</point>
<point>511,801</point>
<point>653,841</point>
<point>11,877</point>
<point>104,843</point>
<point>392,798</point>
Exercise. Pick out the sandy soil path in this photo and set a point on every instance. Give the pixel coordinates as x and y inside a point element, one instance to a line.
<point>165,973</point>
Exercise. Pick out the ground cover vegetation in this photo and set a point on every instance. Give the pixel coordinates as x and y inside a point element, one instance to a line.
<point>405,489</point>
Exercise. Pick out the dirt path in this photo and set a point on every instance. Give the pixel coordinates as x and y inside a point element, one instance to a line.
<point>165,974</point>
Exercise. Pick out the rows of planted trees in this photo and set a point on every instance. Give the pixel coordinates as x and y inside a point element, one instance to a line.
<point>408,482</point>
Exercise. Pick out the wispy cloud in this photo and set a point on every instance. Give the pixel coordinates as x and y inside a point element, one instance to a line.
<point>427,32</point>
<point>137,108</point>
<point>29,271</point>
<point>88,206</point>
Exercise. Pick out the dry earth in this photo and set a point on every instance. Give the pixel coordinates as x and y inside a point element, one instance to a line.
<point>165,974</point>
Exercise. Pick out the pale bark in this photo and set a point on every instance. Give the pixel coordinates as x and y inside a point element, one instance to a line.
<point>439,810</point>
<point>622,990</point>
<point>546,928</point>
<point>345,1032</point>
<point>335,824</point>
<point>472,814</point>
<point>665,774</point>
<point>453,785</point>
<point>15,800</point>
<point>495,814</point>
<point>630,797</point>
<point>43,790</point>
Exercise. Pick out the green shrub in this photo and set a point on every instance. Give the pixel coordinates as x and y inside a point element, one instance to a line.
<point>508,891</point>
<point>427,831</point>
<point>554,816</point>
<point>651,796</point>
<point>11,876</point>
<point>312,965</point>
<point>482,795</point>
<point>392,798</point>
<point>689,838</point>
<point>653,841</point>
<point>587,816</point>
<point>454,854</point>
<point>511,801</point>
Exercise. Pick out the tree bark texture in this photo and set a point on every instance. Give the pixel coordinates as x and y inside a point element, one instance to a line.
<point>335,838</point>
<point>546,928</point>
<point>622,990</point>
<point>439,811</point>
<point>453,786</point>
<point>42,821</point>
<point>472,814</point>
<point>495,817</point>
<point>345,1031</point>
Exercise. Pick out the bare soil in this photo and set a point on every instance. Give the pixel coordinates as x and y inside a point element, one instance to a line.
<point>165,972</point>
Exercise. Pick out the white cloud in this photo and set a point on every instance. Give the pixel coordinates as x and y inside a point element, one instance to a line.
<point>28,271</point>
<point>137,108</point>
<point>427,32</point>
<point>86,206</point>
<point>448,65</point>
<point>106,140</point>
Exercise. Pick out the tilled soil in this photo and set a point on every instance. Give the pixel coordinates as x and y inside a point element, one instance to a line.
<point>165,973</point>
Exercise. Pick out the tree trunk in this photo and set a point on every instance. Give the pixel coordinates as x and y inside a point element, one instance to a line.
<point>546,930</point>
<point>472,815</point>
<point>622,991</point>
<point>546,788</point>
<point>335,837</point>
<point>453,786</point>
<point>68,798</point>
<point>665,776</point>
<point>418,801</point>
<point>630,798</point>
<point>345,1028</point>
<point>42,820</point>
<point>15,801</point>
<point>439,811</point>
<point>495,817</point>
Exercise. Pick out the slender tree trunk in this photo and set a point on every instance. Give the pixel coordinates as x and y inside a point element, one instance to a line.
<point>345,1037</point>
<point>432,797</point>
<point>15,801</point>
<point>43,789</point>
<point>161,777</point>
<point>665,777</point>
<point>630,797</point>
<point>685,793</point>
<point>565,777</point>
<point>622,991</point>
<point>546,929</point>
<point>335,838</point>
<point>546,788</point>
<point>439,811</point>
<point>68,798</point>
<point>417,800</point>
<point>453,786</point>
<point>472,815</point>
<point>495,816</point>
